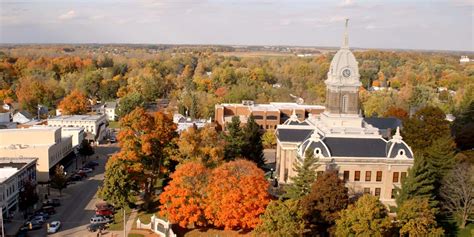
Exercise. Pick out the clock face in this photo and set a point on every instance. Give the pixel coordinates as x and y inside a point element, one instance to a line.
<point>346,72</point>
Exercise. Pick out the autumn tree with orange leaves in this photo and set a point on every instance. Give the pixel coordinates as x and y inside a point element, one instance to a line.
<point>182,201</point>
<point>236,195</point>
<point>148,142</point>
<point>75,103</point>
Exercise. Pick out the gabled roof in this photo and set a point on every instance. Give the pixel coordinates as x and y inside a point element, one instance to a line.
<point>293,135</point>
<point>25,114</point>
<point>356,147</point>
<point>384,123</point>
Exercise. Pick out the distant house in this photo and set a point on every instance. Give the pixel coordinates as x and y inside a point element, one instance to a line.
<point>107,108</point>
<point>22,117</point>
<point>464,59</point>
<point>186,122</point>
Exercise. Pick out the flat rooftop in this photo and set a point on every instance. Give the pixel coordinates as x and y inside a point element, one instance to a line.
<point>10,166</point>
<point>29,129</point>
<point>85,117</point>
<point>276,106</point>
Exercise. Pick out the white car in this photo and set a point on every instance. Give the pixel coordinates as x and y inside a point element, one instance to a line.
<point>99,220</point>
<point>54,226</point>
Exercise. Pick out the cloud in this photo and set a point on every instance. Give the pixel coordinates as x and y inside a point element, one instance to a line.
<point>68,15</point>
<point>347,3</point>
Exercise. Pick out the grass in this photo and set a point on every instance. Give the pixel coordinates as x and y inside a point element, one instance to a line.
<point>118,219</point>
<point>114,124</point>
<point>135,235</point>
<point>467,232</point>
<point>212,233</point>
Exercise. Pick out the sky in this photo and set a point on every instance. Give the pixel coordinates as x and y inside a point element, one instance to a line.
<point>403,24</point>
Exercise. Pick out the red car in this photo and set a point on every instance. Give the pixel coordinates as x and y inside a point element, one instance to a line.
<point>104,212</point>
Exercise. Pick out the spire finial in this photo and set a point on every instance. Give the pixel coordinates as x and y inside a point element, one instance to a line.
<point>293,116</point>
<point>397,137</point>
<point>346,35</point>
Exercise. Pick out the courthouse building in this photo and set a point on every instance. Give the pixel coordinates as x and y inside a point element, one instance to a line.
<point>342,139</point>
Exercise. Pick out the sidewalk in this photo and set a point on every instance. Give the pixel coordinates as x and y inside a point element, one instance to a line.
<point>131,218</point>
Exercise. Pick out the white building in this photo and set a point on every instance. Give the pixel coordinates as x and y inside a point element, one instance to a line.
<point>95,126</point>
<point>343,140</point>
<point>186,122</point>
<point>22,117</point>
<point>464,59</point>
<point>14,173</point>
<point>107,108</point>
<point>45,143</point>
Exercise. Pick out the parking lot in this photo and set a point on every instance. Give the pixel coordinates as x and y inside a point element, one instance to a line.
<point>78,200</point>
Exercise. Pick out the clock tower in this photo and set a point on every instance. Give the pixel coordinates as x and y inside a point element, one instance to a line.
<point>342,95</point>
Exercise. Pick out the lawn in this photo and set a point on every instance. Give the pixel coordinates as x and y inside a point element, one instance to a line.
<point>467,232</point>
<point>114,124</point>
<point>135,235</point>
<point>118,219</point>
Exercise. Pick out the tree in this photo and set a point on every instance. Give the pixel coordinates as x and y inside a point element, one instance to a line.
<point>202,144</point>
<point>417,218</point>
<point>182,201</point>
<point>269,139</point>
<point>148,142</point>
<point>282,218</point>
<point>396,112</point>
<point>85,149</point>
<point>59,180</point>
<point>367,217</point>
<point>253,148</point>
<point>120,183</point>
<point>464,128</point>
<point>234,140</point>
<point>424,127</point>
<point>457,192</point>
<point>419,183</point>
<point>440,156</point>
<point>305,170</point>
<point>129,102</point>
<point>322,205</point>
<point>237,195</point>
<point>74,103</point>
<point>27,196</point>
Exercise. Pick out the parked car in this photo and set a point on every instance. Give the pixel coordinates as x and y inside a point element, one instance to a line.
<point>43,214</point>
<point>104,212</point>
<point>74,178</point>
<point>52,202</point>
<point>48,209</point>
<point>54,226</point>
<point>100,220</point>
<point>92,163</point>
<point>95,227</point>
<point>82,173</point>
<point>86,170</point>
<point>104,206</point>
<point>113,140</point>
<point>32,225</point>
<point>38,218</point>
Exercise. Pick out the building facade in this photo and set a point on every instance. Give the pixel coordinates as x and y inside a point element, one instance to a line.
<point>267,116</point>
<point>45,143</point>
<point>95,126</point>
<point>14,173</point>
<point>343,140</point>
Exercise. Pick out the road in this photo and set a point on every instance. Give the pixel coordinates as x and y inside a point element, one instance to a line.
<point>78,200</point>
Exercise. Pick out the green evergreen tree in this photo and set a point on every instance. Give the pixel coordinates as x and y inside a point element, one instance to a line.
<point>305,170</point>
<point>464,128</point>
<point>234,140</point>
<point>440,155</point>
<point>419,183</point>
<point>253,148</point>
<point>119,184</point>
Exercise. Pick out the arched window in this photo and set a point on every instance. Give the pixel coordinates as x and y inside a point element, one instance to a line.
<point>345,103</point>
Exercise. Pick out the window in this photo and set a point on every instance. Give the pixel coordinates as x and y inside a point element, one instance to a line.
<point>346,175</point>
<point>395,177</point>
<point>272,117</point>
<point>368,175</point>
<point>258,117</point>
<point>378,178</point>
<point>367,190</point>
<point>357,176</point>
<point>286,175</point>
<point>393,193</point>
<point>377,192</point>
<point>403,176</point>
<point>345,103</point>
